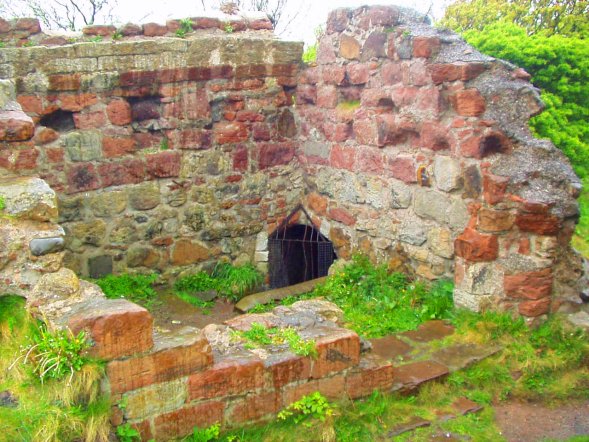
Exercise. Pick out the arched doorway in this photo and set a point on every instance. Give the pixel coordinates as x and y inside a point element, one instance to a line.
<point>298,253</point>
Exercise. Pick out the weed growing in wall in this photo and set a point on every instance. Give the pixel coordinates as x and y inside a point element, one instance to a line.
<point>260,336</point>
<point>185,27</point>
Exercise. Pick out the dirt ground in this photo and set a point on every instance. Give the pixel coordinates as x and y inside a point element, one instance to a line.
<point>529,422</point>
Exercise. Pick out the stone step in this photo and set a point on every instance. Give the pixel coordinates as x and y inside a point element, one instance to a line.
<point>249,302</point>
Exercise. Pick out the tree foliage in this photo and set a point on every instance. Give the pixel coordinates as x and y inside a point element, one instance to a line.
<point>563,17</point>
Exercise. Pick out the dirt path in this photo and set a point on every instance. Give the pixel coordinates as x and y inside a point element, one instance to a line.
<point>527,422</point>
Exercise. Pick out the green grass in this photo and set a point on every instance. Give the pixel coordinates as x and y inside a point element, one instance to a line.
<point>376,303</point>
<point>231,282</point>
<point>63,408</point>
<point>136,288</point>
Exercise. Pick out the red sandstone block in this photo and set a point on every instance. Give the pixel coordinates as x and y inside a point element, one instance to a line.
<point>253,408</point>
<point>251,71</point>
<point>82,178</point>
<point>403,168</point>
<point>26,159</point>
<point>181,422</point>
<point>306,94</point>
<point>138,78</point>
<point>366,130</point>
<point>172,357</point>
<point>16,126</point>
<point>337,132</point>
<point>164,164</point>
<point>327,97</point>
<point>338,349</point>
<point>116,147</point>
<point>451,72</point>
<point>332,388</point>
<point>154,30</point>
<point>131,30</point>
<point>476,247</point>
<point>342,157</point>
<point>425,46</point>
<point>251,116</point>
<point>129,171</point>
<point>102,30</point>
<point>191,139</point>
<point>55,154</point>
<point>275,154</point>
<point>75,103</point>
<point>392,130</point>
<point>45,136</point>
<point>317,203</point>
<point>333,74</point>
<point>260,24</point>
<point>240,158</point>
<point>64,82</point>
<point>119,112</point>
<point>468,103</point>
<point>434,136</point>
<point>287,367</point>
<point>372,373</point>
<point>117,327</point>
<point>370,160</point>
<point>342,216</point>
<point>529,285</point>
<point>535,308</point>
<point>261,132</point>
<point>409,377</point>
<point>358,73</point>
<point>393,73</point>
<point>29,25</point>
<point>494,188</point>
<point>542,224</point>
<point>230,132</point>
<point>91,120</point>
<point>230,376</point>
<point>31,104</point>
<point>206,23</point>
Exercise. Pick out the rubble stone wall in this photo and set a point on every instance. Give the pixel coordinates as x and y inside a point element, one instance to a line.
<point>402,141</point>
<point>417,152</point>
<point>164,152</point>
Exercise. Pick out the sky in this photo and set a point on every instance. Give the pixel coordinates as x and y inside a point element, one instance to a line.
<point>309,14</point>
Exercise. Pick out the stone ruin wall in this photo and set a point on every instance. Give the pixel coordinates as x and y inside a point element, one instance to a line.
<point>165,153</point>
<point>417,152</point>
<point>404,143</point>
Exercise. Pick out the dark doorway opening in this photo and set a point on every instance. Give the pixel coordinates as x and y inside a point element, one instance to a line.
<point>298,253</point>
